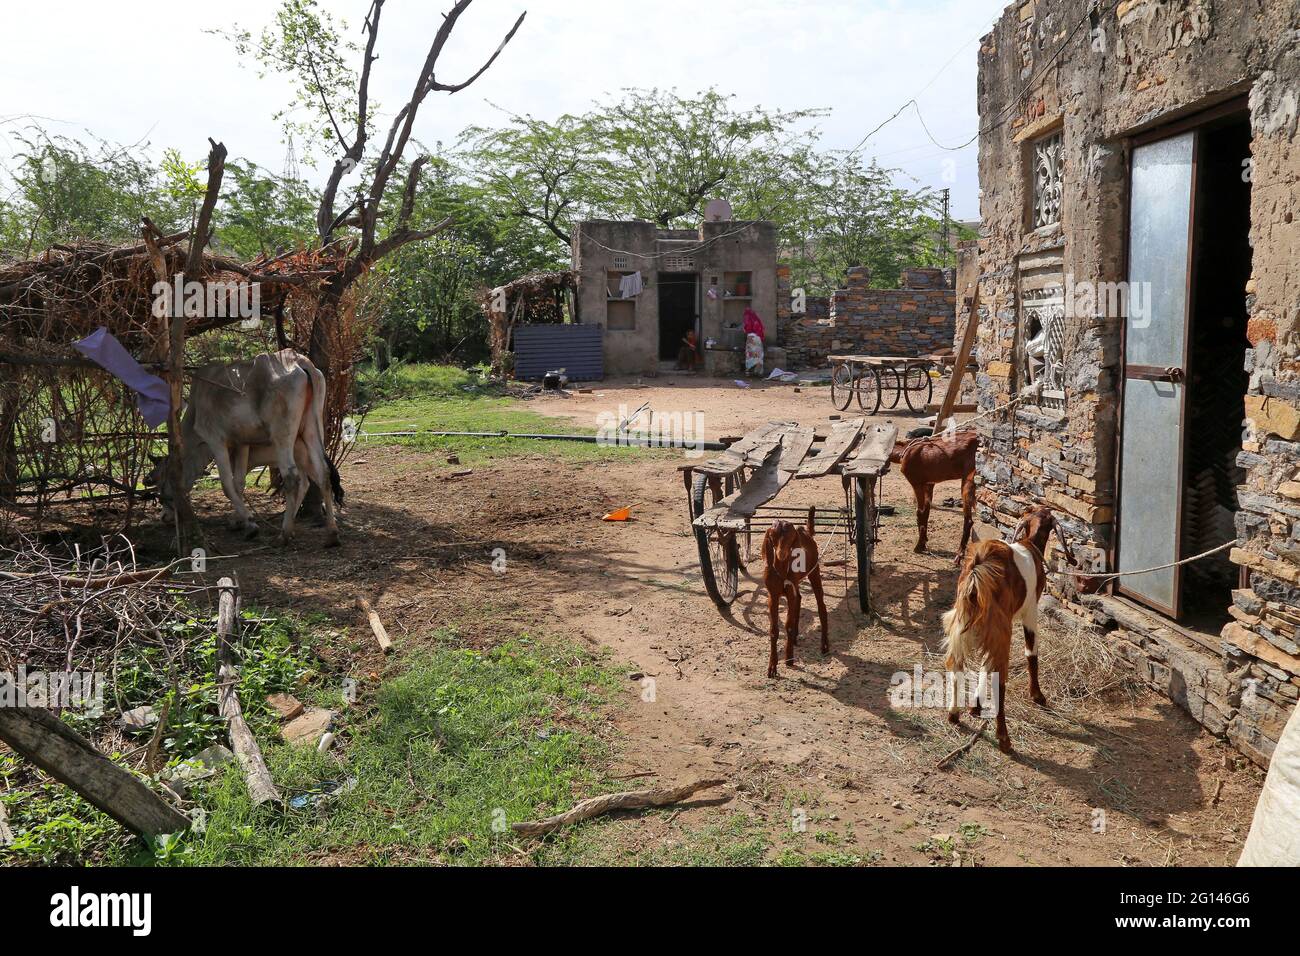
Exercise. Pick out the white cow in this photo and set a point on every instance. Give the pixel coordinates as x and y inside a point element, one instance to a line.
<point>268,410</point>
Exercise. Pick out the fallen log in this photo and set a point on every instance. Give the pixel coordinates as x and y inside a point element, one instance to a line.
<point>64,754</point>
<point>627,800</point>
<point>261,788</point>
<point>376,625</point>
<point>97,582</point>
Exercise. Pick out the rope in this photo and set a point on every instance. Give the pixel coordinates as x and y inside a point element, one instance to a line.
<point>1174,564</point>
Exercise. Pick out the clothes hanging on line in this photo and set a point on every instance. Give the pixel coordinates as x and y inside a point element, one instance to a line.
<point>630,285</point>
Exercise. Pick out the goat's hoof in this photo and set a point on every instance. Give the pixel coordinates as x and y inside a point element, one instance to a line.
<point>771,673</point>
<point>1039,699</point>
<point>251,531</point>
<point>1004,744</point>
<point>920,548</point>
<point>332,540</point>
<point>954,718</point>
<point>283,540</point>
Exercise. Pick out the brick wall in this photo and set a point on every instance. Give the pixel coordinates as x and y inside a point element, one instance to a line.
<point>915,320</point>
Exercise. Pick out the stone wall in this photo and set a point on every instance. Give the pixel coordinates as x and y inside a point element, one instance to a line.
<point>1131,69</point>
<point>917,319</point>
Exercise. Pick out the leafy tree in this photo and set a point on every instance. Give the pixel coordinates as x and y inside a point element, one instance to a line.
<point>264,214</point>
<point>651,154</point>
<point>859,217</point>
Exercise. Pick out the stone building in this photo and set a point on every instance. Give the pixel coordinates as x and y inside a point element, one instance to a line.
<point>917,319</point>
<point>701,280</point>
<point>1137,286</point>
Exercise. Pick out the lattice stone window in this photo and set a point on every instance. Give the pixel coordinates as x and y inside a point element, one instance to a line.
<point>1047,180</point>
<point>679,264</point>
<point>620,262</point>
<point>1040,353</point>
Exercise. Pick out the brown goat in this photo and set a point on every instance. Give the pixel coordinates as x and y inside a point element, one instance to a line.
<point>925,462</point>
<point>789,556</point>
<point>999,584</point>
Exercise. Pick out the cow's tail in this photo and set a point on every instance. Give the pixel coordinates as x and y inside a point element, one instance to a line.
<point>335,483</point>
<point>317,379</point>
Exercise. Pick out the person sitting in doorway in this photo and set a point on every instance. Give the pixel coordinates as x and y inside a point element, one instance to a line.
<point>688,354</point>
<point>755,338</point>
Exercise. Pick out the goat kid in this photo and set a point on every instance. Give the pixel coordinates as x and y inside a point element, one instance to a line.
<point>999,585</point>
<point>789,556</point>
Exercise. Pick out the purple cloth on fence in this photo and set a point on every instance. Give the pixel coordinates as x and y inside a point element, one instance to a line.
<point>153,395</point>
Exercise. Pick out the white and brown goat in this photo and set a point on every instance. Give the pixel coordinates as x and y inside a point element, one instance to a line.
<point>1000,584</point>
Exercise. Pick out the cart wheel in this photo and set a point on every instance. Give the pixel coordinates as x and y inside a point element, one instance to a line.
<point>869,390</point>
<point>897,376</point>
<point>864,520</point>
<point>917,381</point>
<point>842,386</point>
<point>719,552</point>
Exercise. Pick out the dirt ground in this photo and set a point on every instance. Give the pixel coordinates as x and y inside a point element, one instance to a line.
<point>822,737</point>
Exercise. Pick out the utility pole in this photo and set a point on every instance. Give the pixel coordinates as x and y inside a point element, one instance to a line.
<point>947,226</point>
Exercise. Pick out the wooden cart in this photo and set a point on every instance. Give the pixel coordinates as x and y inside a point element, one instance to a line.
<point>872,377</point>
<point>729,495</point>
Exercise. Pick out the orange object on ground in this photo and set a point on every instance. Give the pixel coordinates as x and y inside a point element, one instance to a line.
<point>622,514</point>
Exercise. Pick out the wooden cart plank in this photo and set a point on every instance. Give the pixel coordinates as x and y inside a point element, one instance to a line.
<point>842,437</point>
<point>872,455</point>
<point>780,465</point>
<point>750,450</point>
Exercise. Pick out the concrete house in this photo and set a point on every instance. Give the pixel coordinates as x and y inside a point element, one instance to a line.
<point>690,279</point>
<point>1137,282</point>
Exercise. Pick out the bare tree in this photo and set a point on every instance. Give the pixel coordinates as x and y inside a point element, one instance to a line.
<point>363,212</point>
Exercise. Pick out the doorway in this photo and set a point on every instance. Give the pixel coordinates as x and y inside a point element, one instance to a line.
<point>679,311</point>
<point>1184,355</point>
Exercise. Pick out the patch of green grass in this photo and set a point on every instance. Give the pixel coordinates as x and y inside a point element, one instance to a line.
<point>458,746</point>
<point>443,398</point>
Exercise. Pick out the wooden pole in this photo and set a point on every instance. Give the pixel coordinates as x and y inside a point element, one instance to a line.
<point>64,754</point>
<point>261,788</point>
<point>959,369</point>
<point>376,625</point>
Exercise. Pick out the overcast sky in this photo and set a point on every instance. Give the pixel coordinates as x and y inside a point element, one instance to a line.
<point>132,70</point>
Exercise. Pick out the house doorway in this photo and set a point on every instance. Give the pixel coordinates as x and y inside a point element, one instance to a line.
<point>1184,354</point>
<point>679,311</point>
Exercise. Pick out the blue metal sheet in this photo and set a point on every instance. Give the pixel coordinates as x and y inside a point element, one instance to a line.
<point>578,349</point>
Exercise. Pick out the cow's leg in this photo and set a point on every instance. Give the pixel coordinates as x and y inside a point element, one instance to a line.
<point>773,620</point>
<point>795,601</point>
<point>967,513</point>
<point>226,470</point>
<point>317,467</point>
<point>815,579</point>
<point>924,494</point>
<point>239,463</point>
<point>293,483</point>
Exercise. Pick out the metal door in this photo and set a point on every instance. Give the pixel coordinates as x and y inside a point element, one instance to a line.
<point>1155,354</point>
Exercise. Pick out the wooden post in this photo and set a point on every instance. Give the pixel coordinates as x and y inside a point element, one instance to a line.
<point>261,788</point>
<point>376,625</point>
<point>959,369</point>
<point>64,754</point>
